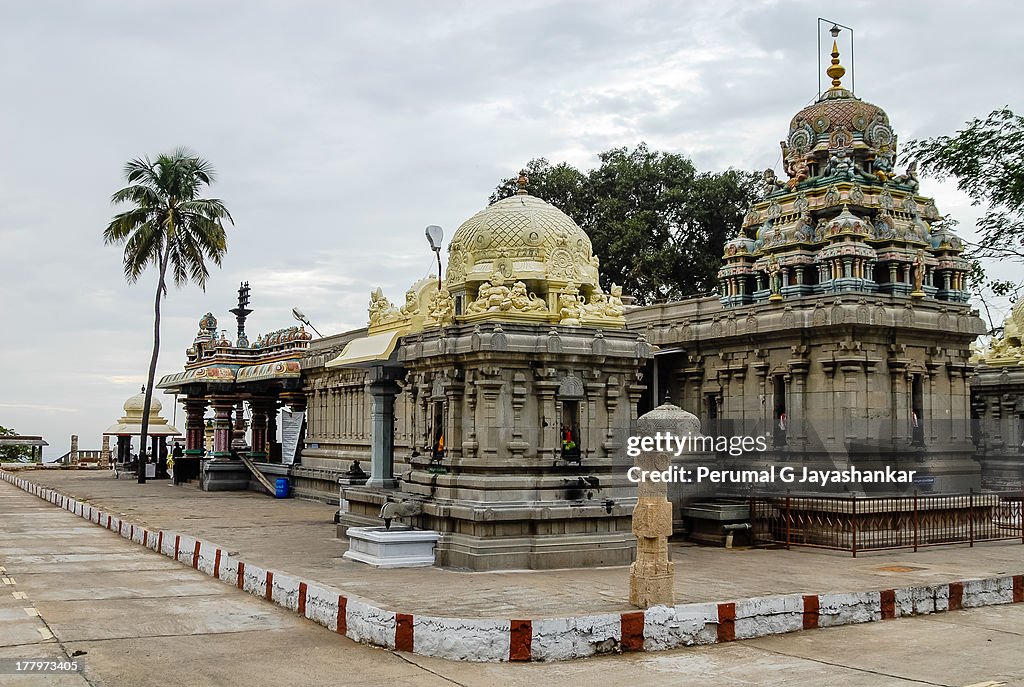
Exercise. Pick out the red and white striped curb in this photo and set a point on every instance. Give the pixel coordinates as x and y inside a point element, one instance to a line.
<point>547,639</point>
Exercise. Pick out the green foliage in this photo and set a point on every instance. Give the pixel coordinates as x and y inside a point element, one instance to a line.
<point>168,225</point>
<point>987,160</point>
<point>658,226</point>
<point>13,453</point>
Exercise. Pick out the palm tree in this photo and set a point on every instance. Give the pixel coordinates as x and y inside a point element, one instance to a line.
<point>171,227</point>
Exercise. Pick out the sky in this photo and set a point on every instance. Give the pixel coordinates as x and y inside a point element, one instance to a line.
<point>339,130</point>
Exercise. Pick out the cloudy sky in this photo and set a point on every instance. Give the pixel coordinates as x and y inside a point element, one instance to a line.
<point>340,129</point>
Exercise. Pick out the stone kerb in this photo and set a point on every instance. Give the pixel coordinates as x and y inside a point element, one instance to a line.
<point>657,628</point>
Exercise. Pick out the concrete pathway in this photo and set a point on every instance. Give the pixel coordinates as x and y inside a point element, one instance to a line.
<point>299,537</point>
<point>138,619</point>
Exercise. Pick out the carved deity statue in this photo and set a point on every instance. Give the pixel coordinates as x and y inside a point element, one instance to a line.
<point>411,305</point>
<point>605,305</point>
<point>492,296</point>
<point>774,276</point>
<point>918,269</point>
<point>770,181</point>
<point>798,171</point>
<point>442,307</point>
<point>381,309</point>
<point>908,178</point>
<point>570,309</point>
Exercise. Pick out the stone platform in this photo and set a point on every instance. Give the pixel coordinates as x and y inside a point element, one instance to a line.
<point>398,547</point>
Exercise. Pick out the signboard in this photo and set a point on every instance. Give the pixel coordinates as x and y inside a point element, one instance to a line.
<point>291,428</point>
<point>924,480</point>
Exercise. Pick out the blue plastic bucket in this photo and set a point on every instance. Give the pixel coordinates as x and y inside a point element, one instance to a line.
<point>281,491</point>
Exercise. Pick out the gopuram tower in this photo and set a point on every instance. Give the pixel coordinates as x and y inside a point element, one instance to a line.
<point>841,329</point>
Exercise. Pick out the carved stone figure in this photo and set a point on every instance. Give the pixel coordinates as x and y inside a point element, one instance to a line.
<point>569,307</point>
<point>774,277</point>
<point>798,171</point>
<point>492,296</point>
<point>771,182</point>
<point>522,301</point>
<point>381,310</point>
<point>411,306</point>
<point>442,307</point>
<point>918,268</point>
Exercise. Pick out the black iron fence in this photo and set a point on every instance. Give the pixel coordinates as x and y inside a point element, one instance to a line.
<point>876,523</point>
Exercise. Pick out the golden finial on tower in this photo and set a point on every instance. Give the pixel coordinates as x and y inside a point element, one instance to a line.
<point>837,70</point>
<point>522,182</point>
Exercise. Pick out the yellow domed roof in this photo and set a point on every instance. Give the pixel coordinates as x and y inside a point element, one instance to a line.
<point>521,237</point>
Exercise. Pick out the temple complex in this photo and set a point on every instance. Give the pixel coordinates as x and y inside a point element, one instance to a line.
<point>492,406</point>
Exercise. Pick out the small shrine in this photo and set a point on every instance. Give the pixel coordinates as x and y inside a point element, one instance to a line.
<point>129,425</point>
<point>499,399</point>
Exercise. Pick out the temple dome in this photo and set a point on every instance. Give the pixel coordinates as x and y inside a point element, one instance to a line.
<point>838,110</point>
<point>523,237</point>
<point>136,404</point>
<point>131,422</point>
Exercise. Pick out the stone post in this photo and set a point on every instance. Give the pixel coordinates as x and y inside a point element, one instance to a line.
<point>651,575</point>
<point>73,458</point>
<point>105,453</point>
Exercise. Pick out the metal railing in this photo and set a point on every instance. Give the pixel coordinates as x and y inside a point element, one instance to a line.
<point>877,523</point>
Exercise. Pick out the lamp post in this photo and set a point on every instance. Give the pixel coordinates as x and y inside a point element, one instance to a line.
<point>298,315</point>
<point>435,236</point>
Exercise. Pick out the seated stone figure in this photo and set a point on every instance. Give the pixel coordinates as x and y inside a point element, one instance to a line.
<point>569,308</point>
<point>492,296</point>
<point>442,307</point>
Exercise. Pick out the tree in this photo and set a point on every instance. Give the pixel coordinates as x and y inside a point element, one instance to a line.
<point>13,453</point>
<point>171,227</point>
<point>658,226</point>
<point>987,160</point>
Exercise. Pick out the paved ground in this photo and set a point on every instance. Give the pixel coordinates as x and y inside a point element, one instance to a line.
<point>298,537</point>
<point>67,586</point>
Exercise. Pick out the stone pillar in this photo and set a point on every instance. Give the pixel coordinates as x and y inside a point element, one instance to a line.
<point>222,408</point>
<point>195,409</point>
<point>383,390</point>
<point>651,576</point>
<point>238,430</point>
<point>261,409</point>
<point>124,448</point>
<point>273,447</point>
<point>105,453</point>
<point>73,457</point>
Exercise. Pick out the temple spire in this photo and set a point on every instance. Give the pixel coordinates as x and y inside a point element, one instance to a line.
<point>522,182</point>
<point>836,70</point>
